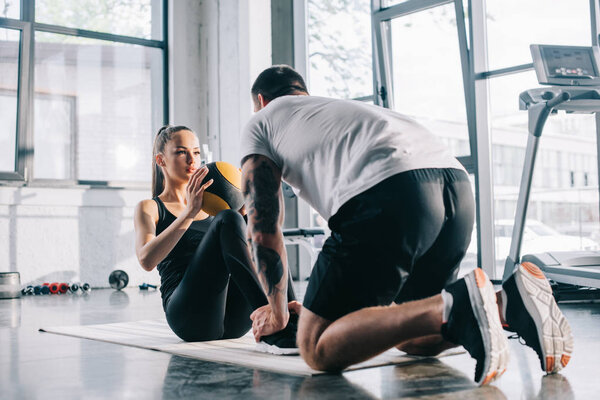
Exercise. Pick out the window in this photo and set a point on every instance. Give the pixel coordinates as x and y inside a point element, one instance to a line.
<point>10,9</point>
<point>138,18</point>
<point>564,195</point>
<point>537,22</point>
<point>340,62</point>
<point>98,69</point>
<point>339,49</point>
<point>427,78</point>
<point>9,82</point>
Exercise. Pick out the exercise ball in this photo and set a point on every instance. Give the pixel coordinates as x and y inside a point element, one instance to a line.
<point>226,190</point>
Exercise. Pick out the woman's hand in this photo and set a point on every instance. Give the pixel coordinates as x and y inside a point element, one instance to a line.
<point>195,191</point>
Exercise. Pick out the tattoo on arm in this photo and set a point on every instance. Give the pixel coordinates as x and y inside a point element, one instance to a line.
<point>262,196</point>
<point>270,267</point>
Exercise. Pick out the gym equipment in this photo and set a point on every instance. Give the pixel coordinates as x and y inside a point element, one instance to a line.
<point>27,290</point>
<point>118,279</point>
<point>41,289</point>
<point>225,191</point>
<point>54,287</point>
<point>574,72</point>
<point>302,237</point>
<point>10,285</point>
<point>146,286</point>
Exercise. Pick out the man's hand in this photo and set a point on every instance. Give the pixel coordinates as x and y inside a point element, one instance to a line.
<point>264,322</point>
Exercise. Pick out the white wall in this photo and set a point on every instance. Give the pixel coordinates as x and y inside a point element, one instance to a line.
<point>65,234</point>
<point>214,58</point>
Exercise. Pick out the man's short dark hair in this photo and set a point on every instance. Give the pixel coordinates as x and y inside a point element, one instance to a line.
<point>276,81</point>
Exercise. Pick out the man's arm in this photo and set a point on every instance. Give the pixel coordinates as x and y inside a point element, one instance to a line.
<point>261,185</point>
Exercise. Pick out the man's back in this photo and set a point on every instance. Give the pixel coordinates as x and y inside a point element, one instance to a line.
<point>331,150</point>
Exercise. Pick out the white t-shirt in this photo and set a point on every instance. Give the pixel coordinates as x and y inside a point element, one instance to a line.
<point>332,150</point>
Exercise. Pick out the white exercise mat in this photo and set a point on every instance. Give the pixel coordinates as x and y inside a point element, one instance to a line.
<point>156,335</point>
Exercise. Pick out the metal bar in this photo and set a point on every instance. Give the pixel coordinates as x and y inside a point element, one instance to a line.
<point>11,23</point>
<point>407,7</point>
<point>383,89</point>
<point>514,254</point>
<point>375,6</point>
<point>364,98</point>
<point>484,188</point>
<point>63,30</point>
<point>467,75</point>
<point>165,48</point>
<point>594,21</point>
<point>503,71</point>
<point>26,91</point>
<point>468,162</point>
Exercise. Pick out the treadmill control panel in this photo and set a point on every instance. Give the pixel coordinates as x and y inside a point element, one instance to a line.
<point>566,65</point>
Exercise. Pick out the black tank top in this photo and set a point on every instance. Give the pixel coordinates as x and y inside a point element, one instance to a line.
<point>172,268</point>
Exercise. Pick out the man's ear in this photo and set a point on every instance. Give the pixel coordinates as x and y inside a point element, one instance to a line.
<point>262,101</point>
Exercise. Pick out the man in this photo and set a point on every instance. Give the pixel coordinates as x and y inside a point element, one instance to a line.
<point>400,209</point>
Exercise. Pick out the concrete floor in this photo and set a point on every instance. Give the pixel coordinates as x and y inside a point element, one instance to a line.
<point>41,365</point>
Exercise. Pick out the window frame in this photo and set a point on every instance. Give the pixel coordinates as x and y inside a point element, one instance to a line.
<point>476,75</point>
<point>23,171</point>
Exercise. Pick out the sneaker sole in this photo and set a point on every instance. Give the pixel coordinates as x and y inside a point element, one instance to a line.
<point>554,332</point>
<point>485,308</point>
<point>280,351</point>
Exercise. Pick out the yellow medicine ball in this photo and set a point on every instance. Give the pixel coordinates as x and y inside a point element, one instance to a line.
<point>226,190</point>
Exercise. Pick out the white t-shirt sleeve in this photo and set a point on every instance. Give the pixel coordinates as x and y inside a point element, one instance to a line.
<point>255,140</point>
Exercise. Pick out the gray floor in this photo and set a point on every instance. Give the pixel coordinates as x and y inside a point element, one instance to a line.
<point>40,365</point>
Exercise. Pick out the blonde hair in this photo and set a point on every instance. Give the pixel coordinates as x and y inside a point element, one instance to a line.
<point>160,141</point>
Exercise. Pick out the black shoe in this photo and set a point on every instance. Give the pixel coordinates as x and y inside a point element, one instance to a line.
<point>282,342</point>
<point>531,311</point>
<point>473,321</point>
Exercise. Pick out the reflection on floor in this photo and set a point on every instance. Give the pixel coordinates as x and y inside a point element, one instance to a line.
<point>35,365</point>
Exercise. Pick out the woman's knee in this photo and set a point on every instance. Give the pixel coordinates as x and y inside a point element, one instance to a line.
<point>194,332</point>
<point>229,217</point>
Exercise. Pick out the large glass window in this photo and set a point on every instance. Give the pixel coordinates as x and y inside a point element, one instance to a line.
<point>339,48</point>
<point>427,77</point>
<point>98,93</point>
<point>340,61</point>
<point>537,22</point>
<point>426,82</point>
<point>139,18</point>
<point>9,78</point>
<point>99,100</point>
<point>563,207</point>
<point>10,9</point>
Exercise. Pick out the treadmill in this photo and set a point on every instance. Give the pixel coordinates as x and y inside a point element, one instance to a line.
<point>574,78</point>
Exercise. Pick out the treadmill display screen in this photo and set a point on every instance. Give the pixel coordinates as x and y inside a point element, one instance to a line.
<point>569,62</point>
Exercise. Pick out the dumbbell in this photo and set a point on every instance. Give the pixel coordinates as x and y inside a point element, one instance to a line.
<point>146,286</point>
<point>41,289</point>
<point>58,287</point>
<point>118,279</point>
<point>27,290</point>
<point>76,286</point>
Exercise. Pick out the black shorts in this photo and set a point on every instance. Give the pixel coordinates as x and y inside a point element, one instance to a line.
<point>401,240</point>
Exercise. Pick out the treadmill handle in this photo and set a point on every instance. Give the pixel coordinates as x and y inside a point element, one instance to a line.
<point>561,98</point>
<point>538,113</point>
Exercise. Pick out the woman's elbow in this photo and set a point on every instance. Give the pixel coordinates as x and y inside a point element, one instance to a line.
<point>147,265</point>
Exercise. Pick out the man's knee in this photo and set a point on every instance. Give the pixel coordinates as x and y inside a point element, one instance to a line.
<point>310,328</point>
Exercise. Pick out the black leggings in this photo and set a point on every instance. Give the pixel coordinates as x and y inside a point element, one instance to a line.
<point>206,305</point>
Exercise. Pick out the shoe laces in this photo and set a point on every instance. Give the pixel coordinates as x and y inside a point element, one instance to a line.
<point>517,337</point>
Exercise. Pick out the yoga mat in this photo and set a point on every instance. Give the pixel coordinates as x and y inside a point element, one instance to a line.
<point>156,335</point>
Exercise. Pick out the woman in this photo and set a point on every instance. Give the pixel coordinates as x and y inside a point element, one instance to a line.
<point>196,254</point>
